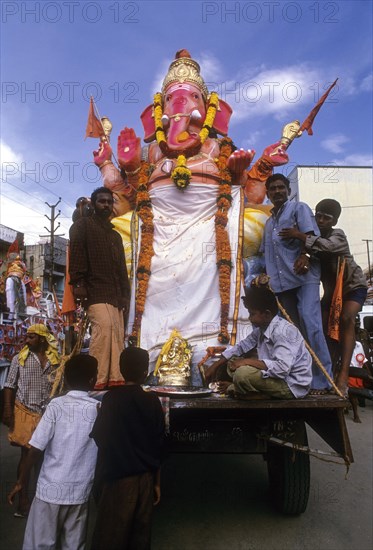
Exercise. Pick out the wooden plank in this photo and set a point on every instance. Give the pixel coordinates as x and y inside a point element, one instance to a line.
<point>222,402</point>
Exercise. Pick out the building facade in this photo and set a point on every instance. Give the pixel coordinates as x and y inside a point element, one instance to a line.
<point>352,187</point>
<point>48,263</point>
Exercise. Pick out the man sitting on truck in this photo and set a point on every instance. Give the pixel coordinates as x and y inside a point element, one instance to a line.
<point>283,367</point>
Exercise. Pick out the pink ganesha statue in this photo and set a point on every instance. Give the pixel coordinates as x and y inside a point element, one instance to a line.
<point>180,201</point>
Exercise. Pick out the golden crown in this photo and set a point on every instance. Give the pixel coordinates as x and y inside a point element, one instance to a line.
<point>185,69</point>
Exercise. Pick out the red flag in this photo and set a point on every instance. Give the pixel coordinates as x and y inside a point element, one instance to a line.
<point>14,248</point>
<point>94,126</point>
<point>307,124</point>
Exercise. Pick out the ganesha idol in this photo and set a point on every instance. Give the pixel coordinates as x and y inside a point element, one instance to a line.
<point>180,201</point>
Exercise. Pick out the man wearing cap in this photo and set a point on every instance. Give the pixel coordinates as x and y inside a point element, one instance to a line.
<point>293,277</point>
<point>26,391</point>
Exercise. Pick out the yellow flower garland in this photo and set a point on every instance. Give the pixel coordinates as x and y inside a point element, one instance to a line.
<point>159,132</point>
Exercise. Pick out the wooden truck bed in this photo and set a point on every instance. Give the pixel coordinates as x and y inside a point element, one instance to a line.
<point>223,424</point>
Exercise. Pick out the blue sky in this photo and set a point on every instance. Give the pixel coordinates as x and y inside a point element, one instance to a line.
<point>270,61</point>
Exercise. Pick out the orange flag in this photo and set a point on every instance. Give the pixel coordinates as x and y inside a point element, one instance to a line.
<point>336,305</point>
<point>307,124</point>
<point>94,126</point>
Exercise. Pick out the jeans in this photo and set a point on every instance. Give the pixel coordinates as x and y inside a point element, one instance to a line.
<point>302,304</point>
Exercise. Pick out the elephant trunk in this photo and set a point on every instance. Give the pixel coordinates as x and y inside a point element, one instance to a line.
<point>179,136</point>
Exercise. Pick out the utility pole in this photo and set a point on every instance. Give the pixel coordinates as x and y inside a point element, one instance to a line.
<point>52,235</point>
<point>370,274</point>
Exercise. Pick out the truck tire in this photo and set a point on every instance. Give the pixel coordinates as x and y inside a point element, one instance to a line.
<point>289,479</point>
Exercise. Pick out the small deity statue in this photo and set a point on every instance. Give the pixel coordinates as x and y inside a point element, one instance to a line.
<point>173,365</point>
<point>15,289</point>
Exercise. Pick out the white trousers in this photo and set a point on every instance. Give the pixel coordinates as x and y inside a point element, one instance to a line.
<point>50,526</point>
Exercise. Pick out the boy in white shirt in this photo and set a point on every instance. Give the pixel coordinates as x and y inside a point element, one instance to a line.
<point>59,512</point>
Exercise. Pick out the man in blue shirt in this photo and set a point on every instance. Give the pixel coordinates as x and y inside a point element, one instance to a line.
<point>294,276</point>
<point>283,367</point>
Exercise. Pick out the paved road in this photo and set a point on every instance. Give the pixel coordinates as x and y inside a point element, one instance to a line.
<point>221,502</point>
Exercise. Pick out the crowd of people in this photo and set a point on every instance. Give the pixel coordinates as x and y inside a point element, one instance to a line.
<point>87,446</point>
<point>77,445</point>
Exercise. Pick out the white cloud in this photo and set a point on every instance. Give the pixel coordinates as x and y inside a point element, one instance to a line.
<point>335,143</point>
<point>159,77</point>
<point>280,93</point>
<point>355,159</point>
<point>23,207</point>
<point>27,218</point>
<point>8,155</point>
<point>211,68</point>
<point>261,91</point>
<point>252,140</point>
<point>211,71</point>
<point>352,85</point>
<point>367,83</point>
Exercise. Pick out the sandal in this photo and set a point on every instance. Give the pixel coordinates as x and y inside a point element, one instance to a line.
<point>20,514</point>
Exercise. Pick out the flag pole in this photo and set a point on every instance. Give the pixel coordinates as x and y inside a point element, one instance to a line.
<point>103,129</point>
<point>107,137</point>
<point>295,129</point>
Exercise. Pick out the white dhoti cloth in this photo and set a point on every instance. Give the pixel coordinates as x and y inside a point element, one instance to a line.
<point>183,291</point>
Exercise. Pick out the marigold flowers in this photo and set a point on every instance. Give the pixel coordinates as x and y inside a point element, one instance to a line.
<point>181,174</point>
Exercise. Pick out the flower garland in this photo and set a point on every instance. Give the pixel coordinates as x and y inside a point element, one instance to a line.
<point>181,174</point>
<point>159,132</point>
<point>143,272</point>
<point>223,247</point>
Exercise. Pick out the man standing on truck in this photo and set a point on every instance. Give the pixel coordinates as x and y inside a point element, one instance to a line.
<point>294,275</point>
<point>99,279</point>
<point>283,367</point>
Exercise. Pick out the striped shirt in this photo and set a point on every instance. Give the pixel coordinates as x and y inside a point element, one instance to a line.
<point>66,476</point>
<point>32,382</point>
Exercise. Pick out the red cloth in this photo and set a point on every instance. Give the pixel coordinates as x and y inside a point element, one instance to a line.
<point>336,305</point>
<point>68,302</point>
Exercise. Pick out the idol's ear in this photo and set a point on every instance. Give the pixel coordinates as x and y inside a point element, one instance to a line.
<point>147,119</point>
<point>222,118</point>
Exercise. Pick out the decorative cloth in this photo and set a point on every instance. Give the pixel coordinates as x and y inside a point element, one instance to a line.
<point>52,350</point>
<point>336,305</point>
<point>183,290</point>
